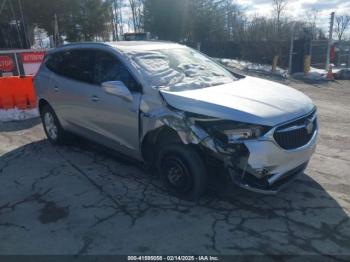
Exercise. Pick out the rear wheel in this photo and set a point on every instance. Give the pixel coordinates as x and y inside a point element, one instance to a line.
<point>182,170</point>
<point>52,127</point>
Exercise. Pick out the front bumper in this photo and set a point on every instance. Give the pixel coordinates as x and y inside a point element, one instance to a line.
<point>270,167</point>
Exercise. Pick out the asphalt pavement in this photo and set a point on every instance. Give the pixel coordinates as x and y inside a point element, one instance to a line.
<point>81,199</point>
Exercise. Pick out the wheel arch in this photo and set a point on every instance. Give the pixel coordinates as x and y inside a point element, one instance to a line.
<point>154,138</point>
<point>42,102</point>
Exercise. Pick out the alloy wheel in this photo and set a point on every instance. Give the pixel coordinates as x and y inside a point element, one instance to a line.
<point>50,126</point>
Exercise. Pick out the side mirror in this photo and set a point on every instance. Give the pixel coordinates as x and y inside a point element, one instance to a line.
<point>117,88</point>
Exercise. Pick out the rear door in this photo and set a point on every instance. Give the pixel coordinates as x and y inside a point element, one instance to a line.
<point>74,87</point>
<point>45,82</point>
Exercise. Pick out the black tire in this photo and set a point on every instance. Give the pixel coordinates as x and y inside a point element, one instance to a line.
<point>182,170</point>
<point>60,136</point>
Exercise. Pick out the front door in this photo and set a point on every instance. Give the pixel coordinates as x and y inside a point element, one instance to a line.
<point>115,118</point>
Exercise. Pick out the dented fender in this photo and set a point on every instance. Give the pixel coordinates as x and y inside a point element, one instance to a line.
<point>154,116</point>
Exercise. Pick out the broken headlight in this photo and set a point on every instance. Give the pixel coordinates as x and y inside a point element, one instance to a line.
<point>229,132</point>
<point>234,135</point>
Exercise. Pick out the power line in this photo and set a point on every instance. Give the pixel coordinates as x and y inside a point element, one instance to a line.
<point>2,6</point>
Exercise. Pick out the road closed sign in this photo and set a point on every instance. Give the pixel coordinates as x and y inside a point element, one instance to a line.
<point>31,62</point>
<point>6,63</point>
<point>32,58</point>
<point>20,62</point>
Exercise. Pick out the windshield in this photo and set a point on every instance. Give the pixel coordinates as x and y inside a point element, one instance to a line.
<point>179,69</point>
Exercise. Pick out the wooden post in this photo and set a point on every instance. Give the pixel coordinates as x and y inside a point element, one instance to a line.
<point>274,63</point>
<point>307,64</point>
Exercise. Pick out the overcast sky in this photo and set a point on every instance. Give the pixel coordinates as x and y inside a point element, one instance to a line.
<point>299,8</point>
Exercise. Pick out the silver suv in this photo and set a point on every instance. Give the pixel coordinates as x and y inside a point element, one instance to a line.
<point>180,112</point>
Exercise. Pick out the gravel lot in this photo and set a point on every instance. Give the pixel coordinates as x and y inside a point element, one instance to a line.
<point>82,200</point>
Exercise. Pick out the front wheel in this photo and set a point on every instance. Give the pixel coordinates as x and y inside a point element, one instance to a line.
<point>182,170</point>
<point>52,127</point>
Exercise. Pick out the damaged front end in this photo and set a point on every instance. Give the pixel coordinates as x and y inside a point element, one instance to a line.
<point>249,153</point>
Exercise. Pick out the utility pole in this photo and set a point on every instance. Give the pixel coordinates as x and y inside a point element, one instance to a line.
<point>330,40</point>
<point>17,26</point>
<point>24,24</point>
<point>291,51</point>
<point>56,32</point>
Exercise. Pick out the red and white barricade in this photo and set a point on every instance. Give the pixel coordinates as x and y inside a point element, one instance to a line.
<point>17,68</point>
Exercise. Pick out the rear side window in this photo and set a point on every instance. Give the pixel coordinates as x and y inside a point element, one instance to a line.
<point>109,68</point>
<point>54,62</point>
<point>73,64</point>
<point>79,65</point>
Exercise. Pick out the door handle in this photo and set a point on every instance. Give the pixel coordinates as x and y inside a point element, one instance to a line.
<point>94,98</point>
<point>56,89</point>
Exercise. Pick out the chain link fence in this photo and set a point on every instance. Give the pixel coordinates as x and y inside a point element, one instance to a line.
<point>260,52</point>
<point>319,53</point>
<point>340,53</point>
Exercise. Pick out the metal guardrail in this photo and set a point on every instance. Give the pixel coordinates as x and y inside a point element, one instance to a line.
<point>18,51</point>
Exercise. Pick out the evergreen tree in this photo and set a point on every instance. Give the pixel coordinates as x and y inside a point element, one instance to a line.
<point>78,20</point>
<point>166,18</point>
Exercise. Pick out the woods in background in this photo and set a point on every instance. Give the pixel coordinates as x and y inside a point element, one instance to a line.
<point>206,23</point>
<point>219,20</point>
<point>77,20</point>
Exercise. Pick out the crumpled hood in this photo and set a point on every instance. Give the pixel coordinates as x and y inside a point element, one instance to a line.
<point>250,100</point>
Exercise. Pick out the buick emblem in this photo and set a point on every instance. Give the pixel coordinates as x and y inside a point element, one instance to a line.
<point>309,125</point>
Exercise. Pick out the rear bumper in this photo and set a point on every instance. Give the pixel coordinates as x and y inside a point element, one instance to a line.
<point>269,167</point>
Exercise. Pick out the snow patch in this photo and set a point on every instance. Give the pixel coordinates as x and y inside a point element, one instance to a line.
<point>17,114</point>
<point>323,71</point>
<point>249,66</point>
<point>314,70</point>
<point>317,74</point>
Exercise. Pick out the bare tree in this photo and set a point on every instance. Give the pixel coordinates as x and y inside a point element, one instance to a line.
<point>311,20</point>
<point>342,23</point>
<point>234,19</point>
<point>117,9</point>
<point>134,13</point>
<point>136,7</point>
<point>279,6</point>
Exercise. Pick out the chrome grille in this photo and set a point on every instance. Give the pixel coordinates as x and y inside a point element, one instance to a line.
<point>297,133</point>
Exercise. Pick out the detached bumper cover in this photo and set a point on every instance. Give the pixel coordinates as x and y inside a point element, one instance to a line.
<point>270,167</point>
